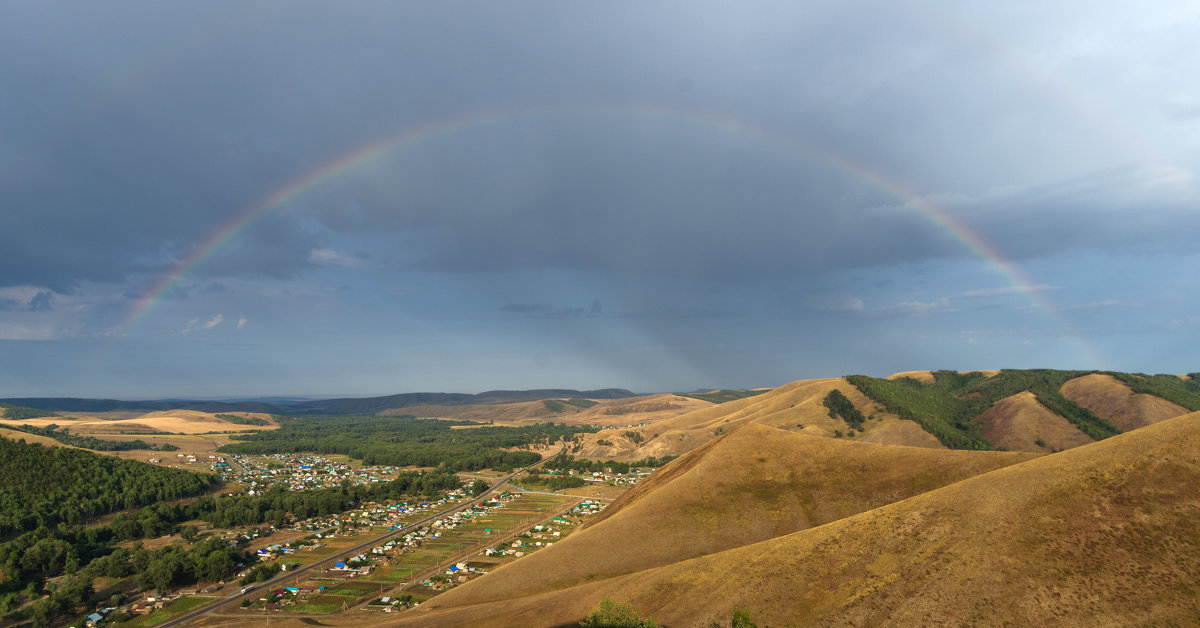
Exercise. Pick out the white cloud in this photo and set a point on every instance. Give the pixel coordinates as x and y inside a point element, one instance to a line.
<point>241,322</point>
<point>195,324</point>
<point>330,257</point>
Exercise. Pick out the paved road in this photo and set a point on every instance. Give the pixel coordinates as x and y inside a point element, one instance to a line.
<point>316,566</point>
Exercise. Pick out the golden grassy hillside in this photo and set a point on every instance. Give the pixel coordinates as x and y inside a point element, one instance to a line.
<point>797,406</point>
<point>1112,400</point>
<point>167,421</point>
<point>1019,422</point>
<point>1106,534</point>
<point>630,410</point>
<point>753,484</point>
<point>32,438</point>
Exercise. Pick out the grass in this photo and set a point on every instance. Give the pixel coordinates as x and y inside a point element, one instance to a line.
<point>1102,534</point>
<point>723,396</point>
<point>178,607</point>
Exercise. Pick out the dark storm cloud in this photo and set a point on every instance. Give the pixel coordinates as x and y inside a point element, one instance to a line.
<point>134,149</point>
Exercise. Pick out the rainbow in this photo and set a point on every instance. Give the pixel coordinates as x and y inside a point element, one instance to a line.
<point>442,129</point>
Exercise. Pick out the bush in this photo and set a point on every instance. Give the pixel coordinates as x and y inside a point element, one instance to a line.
<point>612,615</point>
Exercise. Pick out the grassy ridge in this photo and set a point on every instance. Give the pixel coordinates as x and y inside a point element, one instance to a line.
<point>1169,387</point>
<point>723,396</point>
<point>947,407</point>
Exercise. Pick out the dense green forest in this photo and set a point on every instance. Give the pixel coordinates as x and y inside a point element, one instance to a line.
<point>550,482</point>
<point>567,462</point>
<point>20,413</point>
<point>405,440</point>
<point>65,437</point>
<point>42,486</point>
<point>723,396</point>
<point>242,420</point>
<point>947,407</point>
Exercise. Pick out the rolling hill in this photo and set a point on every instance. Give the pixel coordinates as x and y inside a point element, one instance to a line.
<point>1035,410</point>
<point>1105,534</point>
<point>750,485</point>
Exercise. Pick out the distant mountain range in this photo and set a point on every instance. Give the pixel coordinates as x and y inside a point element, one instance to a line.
<point>362,405</point>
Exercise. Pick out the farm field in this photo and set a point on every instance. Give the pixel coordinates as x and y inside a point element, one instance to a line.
<point>415,572</point>
<point>178,607</point>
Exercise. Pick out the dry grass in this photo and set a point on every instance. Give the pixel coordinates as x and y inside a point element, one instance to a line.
<point>1018,422</point>
<point>1106,534</point>
<point>30,438</point>
<point>626,411</point>
<point>754,484</point>
<point>925,377</point>
<point>1112,400</point>
<point>171,422</point>
<point>798,407</point>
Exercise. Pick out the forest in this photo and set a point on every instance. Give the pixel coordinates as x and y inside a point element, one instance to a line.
<point>567,462</point>
<point>946,408</point>
<point>20,413</point>
<point>406,440</point>
<point>41,486</point>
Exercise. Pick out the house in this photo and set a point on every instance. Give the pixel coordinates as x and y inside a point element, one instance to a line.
<point>94,619</point>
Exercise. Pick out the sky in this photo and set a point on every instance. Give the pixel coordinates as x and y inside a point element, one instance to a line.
<point>226,199</point>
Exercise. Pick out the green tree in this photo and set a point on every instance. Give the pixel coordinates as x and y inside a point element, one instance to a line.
<point>741,619</point>
<point>189,533</point>
<point>613,615</point>
<point>43,611</point>
<point>478,487</point>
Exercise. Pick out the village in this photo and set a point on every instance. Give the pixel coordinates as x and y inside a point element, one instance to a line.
<point>402,570</point>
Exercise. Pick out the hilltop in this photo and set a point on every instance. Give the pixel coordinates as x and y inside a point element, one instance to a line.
<point>1035,410</point>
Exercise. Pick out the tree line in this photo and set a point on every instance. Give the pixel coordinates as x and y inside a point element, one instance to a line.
<point>406,440</point>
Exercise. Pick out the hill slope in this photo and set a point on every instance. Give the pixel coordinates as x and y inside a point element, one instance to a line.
<point>798,407</point>
<point>1106,534</point>
<point>1113,400</point>
<point>747,486</point>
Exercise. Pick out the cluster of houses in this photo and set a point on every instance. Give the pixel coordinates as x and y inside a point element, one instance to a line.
<point>300,471</point>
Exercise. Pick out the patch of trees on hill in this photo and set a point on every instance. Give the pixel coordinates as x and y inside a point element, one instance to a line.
<point>42,486</point>
<point>561,405</point>
<point>20,413</point>
<point>947,407</point>
<point>567,462</point>
<point>405,440</point>
<point>242,420</point>
<point>723,396</point>
<point>840,406</point>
